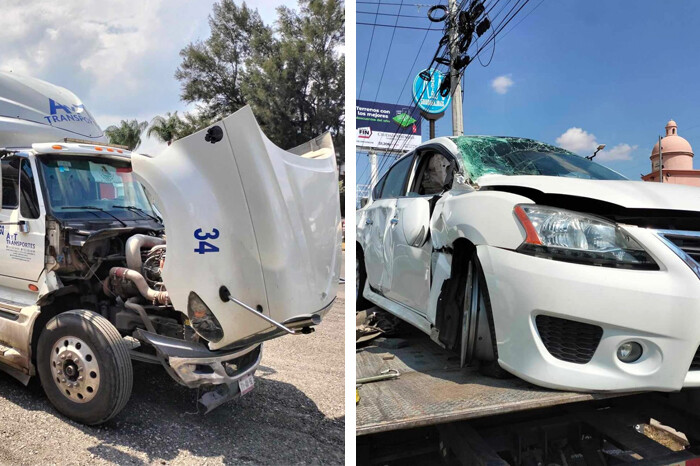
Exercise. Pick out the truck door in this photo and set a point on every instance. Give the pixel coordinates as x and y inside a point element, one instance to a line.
<point>242,213</point>
<point>22,231</point>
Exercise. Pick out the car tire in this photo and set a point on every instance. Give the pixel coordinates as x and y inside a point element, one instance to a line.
<point>361,302</point>
<point>84,366</point>
<point>487,366</point>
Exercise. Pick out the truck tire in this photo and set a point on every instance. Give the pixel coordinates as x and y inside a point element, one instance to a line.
<point>361,302</point>
<point>84,366</point>
<point>476,281</point>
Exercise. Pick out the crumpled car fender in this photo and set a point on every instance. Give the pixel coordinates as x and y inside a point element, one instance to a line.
<point>482,217</point>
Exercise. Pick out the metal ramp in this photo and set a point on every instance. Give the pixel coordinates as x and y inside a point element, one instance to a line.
<point>432,389</point>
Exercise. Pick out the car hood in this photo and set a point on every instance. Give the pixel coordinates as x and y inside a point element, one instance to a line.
<point>628,194</point>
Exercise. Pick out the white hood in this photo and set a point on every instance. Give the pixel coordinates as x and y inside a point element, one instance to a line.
<point>269,221</point>
<point>628,194</point>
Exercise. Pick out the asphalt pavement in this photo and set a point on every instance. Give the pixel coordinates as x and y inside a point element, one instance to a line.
<point>294,415</point>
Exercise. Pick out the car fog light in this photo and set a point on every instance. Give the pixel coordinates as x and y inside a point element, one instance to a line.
<point>629,352</point>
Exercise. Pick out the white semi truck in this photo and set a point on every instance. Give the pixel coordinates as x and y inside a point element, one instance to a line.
<point>243,245</point>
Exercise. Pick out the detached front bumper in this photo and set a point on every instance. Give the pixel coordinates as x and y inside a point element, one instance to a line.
<point>193,365</point>
<point>658,309</point>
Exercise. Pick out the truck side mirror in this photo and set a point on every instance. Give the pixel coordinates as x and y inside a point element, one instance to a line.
<point>363,201</point>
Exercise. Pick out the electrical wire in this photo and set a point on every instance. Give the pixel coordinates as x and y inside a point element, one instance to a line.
<point>394,27</point>
<point>496,30</point>
<point>390,14</point>
<point>388,54</point>
<point>369,50</point>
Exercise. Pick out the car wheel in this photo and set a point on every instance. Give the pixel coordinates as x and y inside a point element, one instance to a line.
<point>84,366</point>
<point>478,336</point>
<point>360,279</point>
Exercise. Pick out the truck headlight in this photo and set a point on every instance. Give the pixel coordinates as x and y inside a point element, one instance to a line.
<point>573,237</point>
<point>203,321</point>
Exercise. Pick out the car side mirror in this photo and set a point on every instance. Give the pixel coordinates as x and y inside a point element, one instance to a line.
<point>364,201</point>
<point>23,226</point>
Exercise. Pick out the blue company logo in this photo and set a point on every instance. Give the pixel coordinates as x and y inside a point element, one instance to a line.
<point>68,113</point>
<point>426,94</point>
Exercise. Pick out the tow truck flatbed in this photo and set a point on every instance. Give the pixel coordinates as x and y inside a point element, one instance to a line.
<point>432,389</point>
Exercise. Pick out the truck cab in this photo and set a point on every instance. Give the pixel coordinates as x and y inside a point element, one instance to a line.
<point>190,259</point>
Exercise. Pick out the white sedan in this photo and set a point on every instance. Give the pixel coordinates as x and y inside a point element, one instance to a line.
<point>525,257</point>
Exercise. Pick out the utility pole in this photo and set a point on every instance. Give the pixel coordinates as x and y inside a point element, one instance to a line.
<point>374,175</point>
<point>661,163</point>
<point>456,86</point>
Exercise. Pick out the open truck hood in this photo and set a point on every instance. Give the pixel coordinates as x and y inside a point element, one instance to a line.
<point>629,194</point>
<point>240,212</point>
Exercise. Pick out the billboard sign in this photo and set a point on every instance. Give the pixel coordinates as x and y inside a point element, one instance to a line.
<point>426,94</point>
<point>385,127</point>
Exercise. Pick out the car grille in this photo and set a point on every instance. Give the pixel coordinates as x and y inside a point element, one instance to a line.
<point>568,340</point>
<point>686,244</point>
<point>695,365</point>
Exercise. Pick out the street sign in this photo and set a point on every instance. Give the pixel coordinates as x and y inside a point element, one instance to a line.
<point>385,127</point>
<point>426,94</point>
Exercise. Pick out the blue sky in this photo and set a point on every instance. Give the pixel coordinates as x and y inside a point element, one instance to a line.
<point>572,73</point>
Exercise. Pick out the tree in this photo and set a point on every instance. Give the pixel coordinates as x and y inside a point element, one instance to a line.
<point>291,75</point>
<point>211,71</point>
<point>191,123</point>
<point>165,128</point>
<point>128,133</point>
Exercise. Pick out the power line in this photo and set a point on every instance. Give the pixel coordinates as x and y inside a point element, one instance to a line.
<point>390,14</point>
<point>388,53</point>
<point>369,49</point>
<point>395,27</point>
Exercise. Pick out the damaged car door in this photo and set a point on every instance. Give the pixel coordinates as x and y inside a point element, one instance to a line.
<point>253,231</point>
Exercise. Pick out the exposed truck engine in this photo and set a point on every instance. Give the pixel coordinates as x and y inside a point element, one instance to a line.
<point>190,259</point>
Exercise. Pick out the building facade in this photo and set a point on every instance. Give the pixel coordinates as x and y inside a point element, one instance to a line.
<point>677,158</point>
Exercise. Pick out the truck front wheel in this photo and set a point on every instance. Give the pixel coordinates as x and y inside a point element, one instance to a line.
<point>84,366</point>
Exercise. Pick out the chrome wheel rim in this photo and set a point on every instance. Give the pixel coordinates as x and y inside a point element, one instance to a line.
<point>472,300</point>
<point>75,370</point>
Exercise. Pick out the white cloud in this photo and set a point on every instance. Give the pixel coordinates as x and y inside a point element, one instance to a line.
<point>584,143</point>
<point>577,140</point>
<point>502,84</point>
<point>619,152</point>
<point>119,56</point>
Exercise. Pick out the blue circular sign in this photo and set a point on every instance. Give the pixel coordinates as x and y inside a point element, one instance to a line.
<point>426,94</point>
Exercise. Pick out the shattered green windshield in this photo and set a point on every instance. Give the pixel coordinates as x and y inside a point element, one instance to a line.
<point>482,155</point>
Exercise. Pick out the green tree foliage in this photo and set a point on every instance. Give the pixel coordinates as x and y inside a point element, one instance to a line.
<point>128,133</point>
<point>165,128</point>
<point>292,74</point>
<point>191,123</point>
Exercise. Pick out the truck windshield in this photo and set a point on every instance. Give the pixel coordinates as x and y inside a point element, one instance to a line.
<point>78,186</point>
<point>483,155</point>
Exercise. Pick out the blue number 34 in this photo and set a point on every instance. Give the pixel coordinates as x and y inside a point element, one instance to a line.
<point>205,246</point>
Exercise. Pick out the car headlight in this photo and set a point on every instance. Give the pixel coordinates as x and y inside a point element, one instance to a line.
<point>573,237</point>
<point>203,321</point>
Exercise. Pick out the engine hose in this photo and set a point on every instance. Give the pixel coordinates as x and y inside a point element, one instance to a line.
<point>141,284</point>
<point>131,304</point>
<point>133,249</point>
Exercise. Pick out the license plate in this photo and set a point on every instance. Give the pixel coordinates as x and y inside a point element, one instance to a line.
<point>246,384</point>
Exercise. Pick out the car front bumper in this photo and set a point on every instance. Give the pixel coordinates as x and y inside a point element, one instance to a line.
<point>659,309</point>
